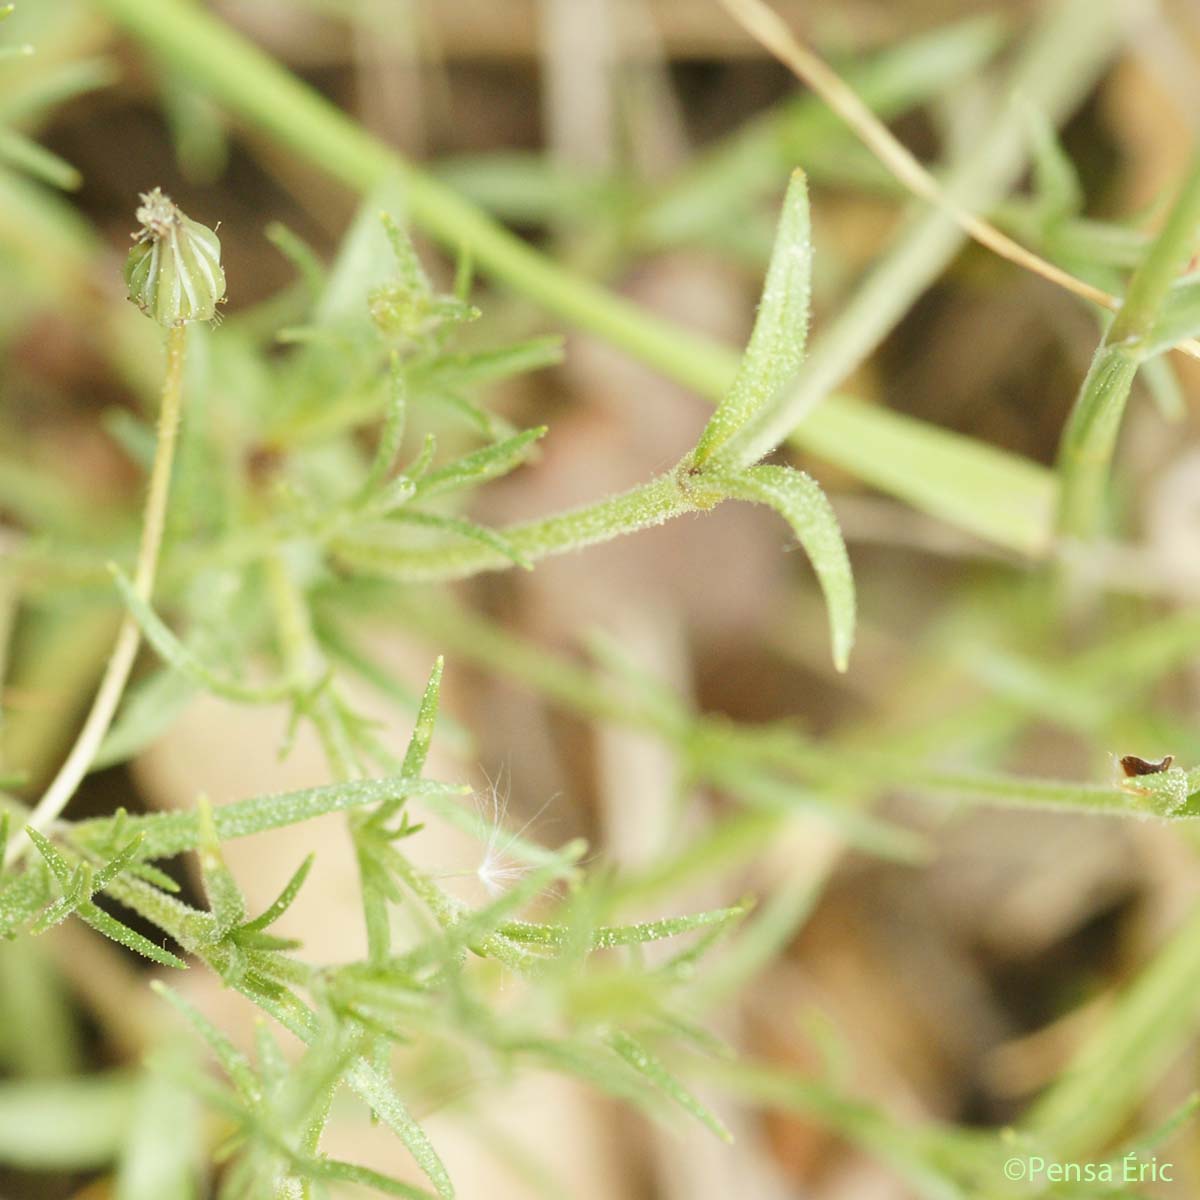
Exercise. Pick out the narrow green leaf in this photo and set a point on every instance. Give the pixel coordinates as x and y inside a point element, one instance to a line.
<point>475,928</point>
<point>348,653</point>
<point>62,908</point>
<point>100,921</point>
<point>917,1154</point>
<point>412,274</point>
<point>378,893</point>
<point>170,833</point>
<point>284,900</point>
<point>234,1063</point>
<point>152,875</point>
<point>1165,1129</point>
<point>424,460</point>
<point>118,863</point>
<point>198,129</point>
<point>391,495</point>
<point>384,1102</point>
<point>758,787</point>
<point>798,499</point>
<point>776,348</point>
<point>47,849</point>
<point>272,1064</point>
<point>133,434</point>
<point>335,1171</point>
<point>1163,384</point>
<point>648,1065</point>
<point>23,897</point>
<point>606,936</point>
<point>464,274</point>
<point>422,734</point>
<point>488,463</point>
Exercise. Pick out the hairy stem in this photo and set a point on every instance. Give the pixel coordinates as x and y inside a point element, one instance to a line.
<point>640,508</point>
<point>112,685</point>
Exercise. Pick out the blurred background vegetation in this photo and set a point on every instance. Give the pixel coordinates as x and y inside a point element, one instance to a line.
<point>921,971</point>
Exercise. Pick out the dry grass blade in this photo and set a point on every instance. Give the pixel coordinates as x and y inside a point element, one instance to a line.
<point>758,19</point>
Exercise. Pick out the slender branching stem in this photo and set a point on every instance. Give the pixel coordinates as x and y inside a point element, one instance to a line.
<point>1059,63</point>
<point>642,507</point>
<point>120,662</point>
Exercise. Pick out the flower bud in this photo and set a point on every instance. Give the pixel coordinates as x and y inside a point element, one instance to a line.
<point>173,273</point>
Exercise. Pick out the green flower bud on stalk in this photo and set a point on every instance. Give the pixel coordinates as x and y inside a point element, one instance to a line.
<point>173,273</point>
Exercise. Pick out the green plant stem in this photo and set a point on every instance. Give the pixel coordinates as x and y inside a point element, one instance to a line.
<point>1167,258</point>
<point>640,508</point>
<point>108,695</point>
<point>1090,437</point>
<point>1058,65</point>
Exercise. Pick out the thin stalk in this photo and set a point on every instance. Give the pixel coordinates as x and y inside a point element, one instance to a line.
<point>112,685</point>
<point>1090,437</point>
